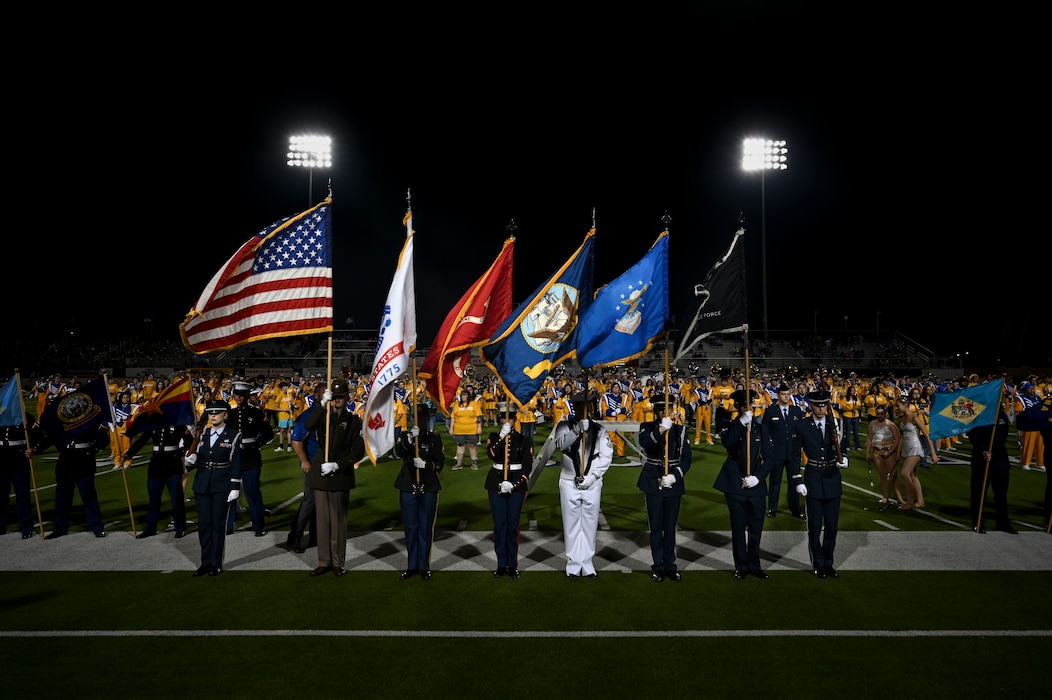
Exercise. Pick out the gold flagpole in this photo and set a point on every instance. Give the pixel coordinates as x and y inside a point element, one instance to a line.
<point>748,407</point>
<point>120,453</point>
<point>32,470</point>
<point>990,454</point>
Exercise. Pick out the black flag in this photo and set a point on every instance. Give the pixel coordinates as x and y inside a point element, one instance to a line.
<point>719,304</point>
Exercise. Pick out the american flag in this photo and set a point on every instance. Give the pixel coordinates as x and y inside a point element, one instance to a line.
<point>279,283</point>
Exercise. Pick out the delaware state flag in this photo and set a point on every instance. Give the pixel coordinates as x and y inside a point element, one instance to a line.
<point>957,412</point>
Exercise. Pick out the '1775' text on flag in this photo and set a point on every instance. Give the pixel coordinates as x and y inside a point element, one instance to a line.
<point>279,283</point>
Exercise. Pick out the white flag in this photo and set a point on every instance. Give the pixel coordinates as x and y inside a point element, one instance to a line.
<point>395,345</point>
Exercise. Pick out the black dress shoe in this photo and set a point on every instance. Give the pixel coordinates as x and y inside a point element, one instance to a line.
<point>260,533</point>
<point>832,573</point>
<point>144,535</point>
<point>673,576</point>
<point>216,570</point>
<point>796,514</point>
<point>760,575</point>
<point>1009,529</point>
<point>657,577</point>
<point>100,533</point>
<point>501,571</point>
<point>409,573</point>
<point>772,513</point>
<point>818,573</point>
<point>426,575</point>
<point>27,535</point>
<point>339,571</point>
<point>321,570</point>
<point>981,530</point>
<point>55,534</point>
<point>740,575</point>
<point>571,575</point>
<point>180,535</point>
<point>591,575</point>
<point>513,572</point>
<point>201,571</point>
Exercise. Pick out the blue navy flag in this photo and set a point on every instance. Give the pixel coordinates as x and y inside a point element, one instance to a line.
<point>542,331</point>
<point>76,412</point>
<point>628,314</point>
<point>719,304</point>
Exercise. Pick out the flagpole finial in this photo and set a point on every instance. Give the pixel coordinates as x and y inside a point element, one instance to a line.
<point>593,217</point>
<point>330,188</point>
<point>408,200</point>
<point>741,219</point>
<point>666,219</point>
<point>511,226</point>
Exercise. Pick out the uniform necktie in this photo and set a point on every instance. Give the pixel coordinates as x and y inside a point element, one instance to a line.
<point>822,426</point>
<point>785,413</point>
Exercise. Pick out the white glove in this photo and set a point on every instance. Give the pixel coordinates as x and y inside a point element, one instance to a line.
<point>504,430</point>
<point>586,484</point>
<point>326,398</point>
<point>842,463</point>
<point>234,493</point>
<point>582,426</point>
<point>191,459</point>
<point>746,418</point>
<point>667,480</point>
<point>329,468</point>
<point>801,489</point>
<point>666,423</point>
<point>506,486</point>
<point>750,481</point>
<point>419,463</point>
<point>414,432</point>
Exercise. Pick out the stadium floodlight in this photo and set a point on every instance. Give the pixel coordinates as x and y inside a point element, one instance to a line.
<point>763,155</point>
<point>310,151</point>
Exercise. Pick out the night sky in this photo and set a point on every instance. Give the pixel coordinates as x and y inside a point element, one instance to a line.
<point>876,219</point>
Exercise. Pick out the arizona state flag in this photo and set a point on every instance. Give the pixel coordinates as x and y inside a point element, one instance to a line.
<point>957,412</point>
<point>469,324</point>
<point>75,413</point>
<point>173,406</point>
<point>542,331</point>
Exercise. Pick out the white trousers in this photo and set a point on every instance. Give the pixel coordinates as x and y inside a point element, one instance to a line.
<point>580,524</point>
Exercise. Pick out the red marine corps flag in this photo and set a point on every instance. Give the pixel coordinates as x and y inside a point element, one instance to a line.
<point>469,324</point>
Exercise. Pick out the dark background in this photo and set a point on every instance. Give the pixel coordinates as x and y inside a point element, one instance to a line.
<point>896,210</point>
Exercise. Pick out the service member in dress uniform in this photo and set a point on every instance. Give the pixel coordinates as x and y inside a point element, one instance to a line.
<point>506,484</point>
<point>165,470</point>
<point>256,431</point>
<point>782,420</point>
<point>217,485</point>
<point>586,455</point>
<point>15,472</point>
<point>340,447</point>
<point>75,469</point>
<point>822,484</point>
<point>743,481</point>
<point>661,481</point>
<point>418,486</point>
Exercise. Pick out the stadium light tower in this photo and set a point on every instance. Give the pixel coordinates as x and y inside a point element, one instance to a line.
<point>763,155</point>
<point>310,152</point>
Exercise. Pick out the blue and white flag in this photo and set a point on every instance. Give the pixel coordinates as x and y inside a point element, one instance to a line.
<point>11,403</point>
<point>957,412</point>
<point>628,314</point>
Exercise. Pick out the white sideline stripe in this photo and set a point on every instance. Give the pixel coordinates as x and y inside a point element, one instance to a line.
<point>538,634</point>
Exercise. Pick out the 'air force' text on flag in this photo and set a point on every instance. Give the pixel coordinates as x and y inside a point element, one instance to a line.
<point>395,345</point>
<point>542,331</point>
<point>628,314</point>
<point>279,283</point>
